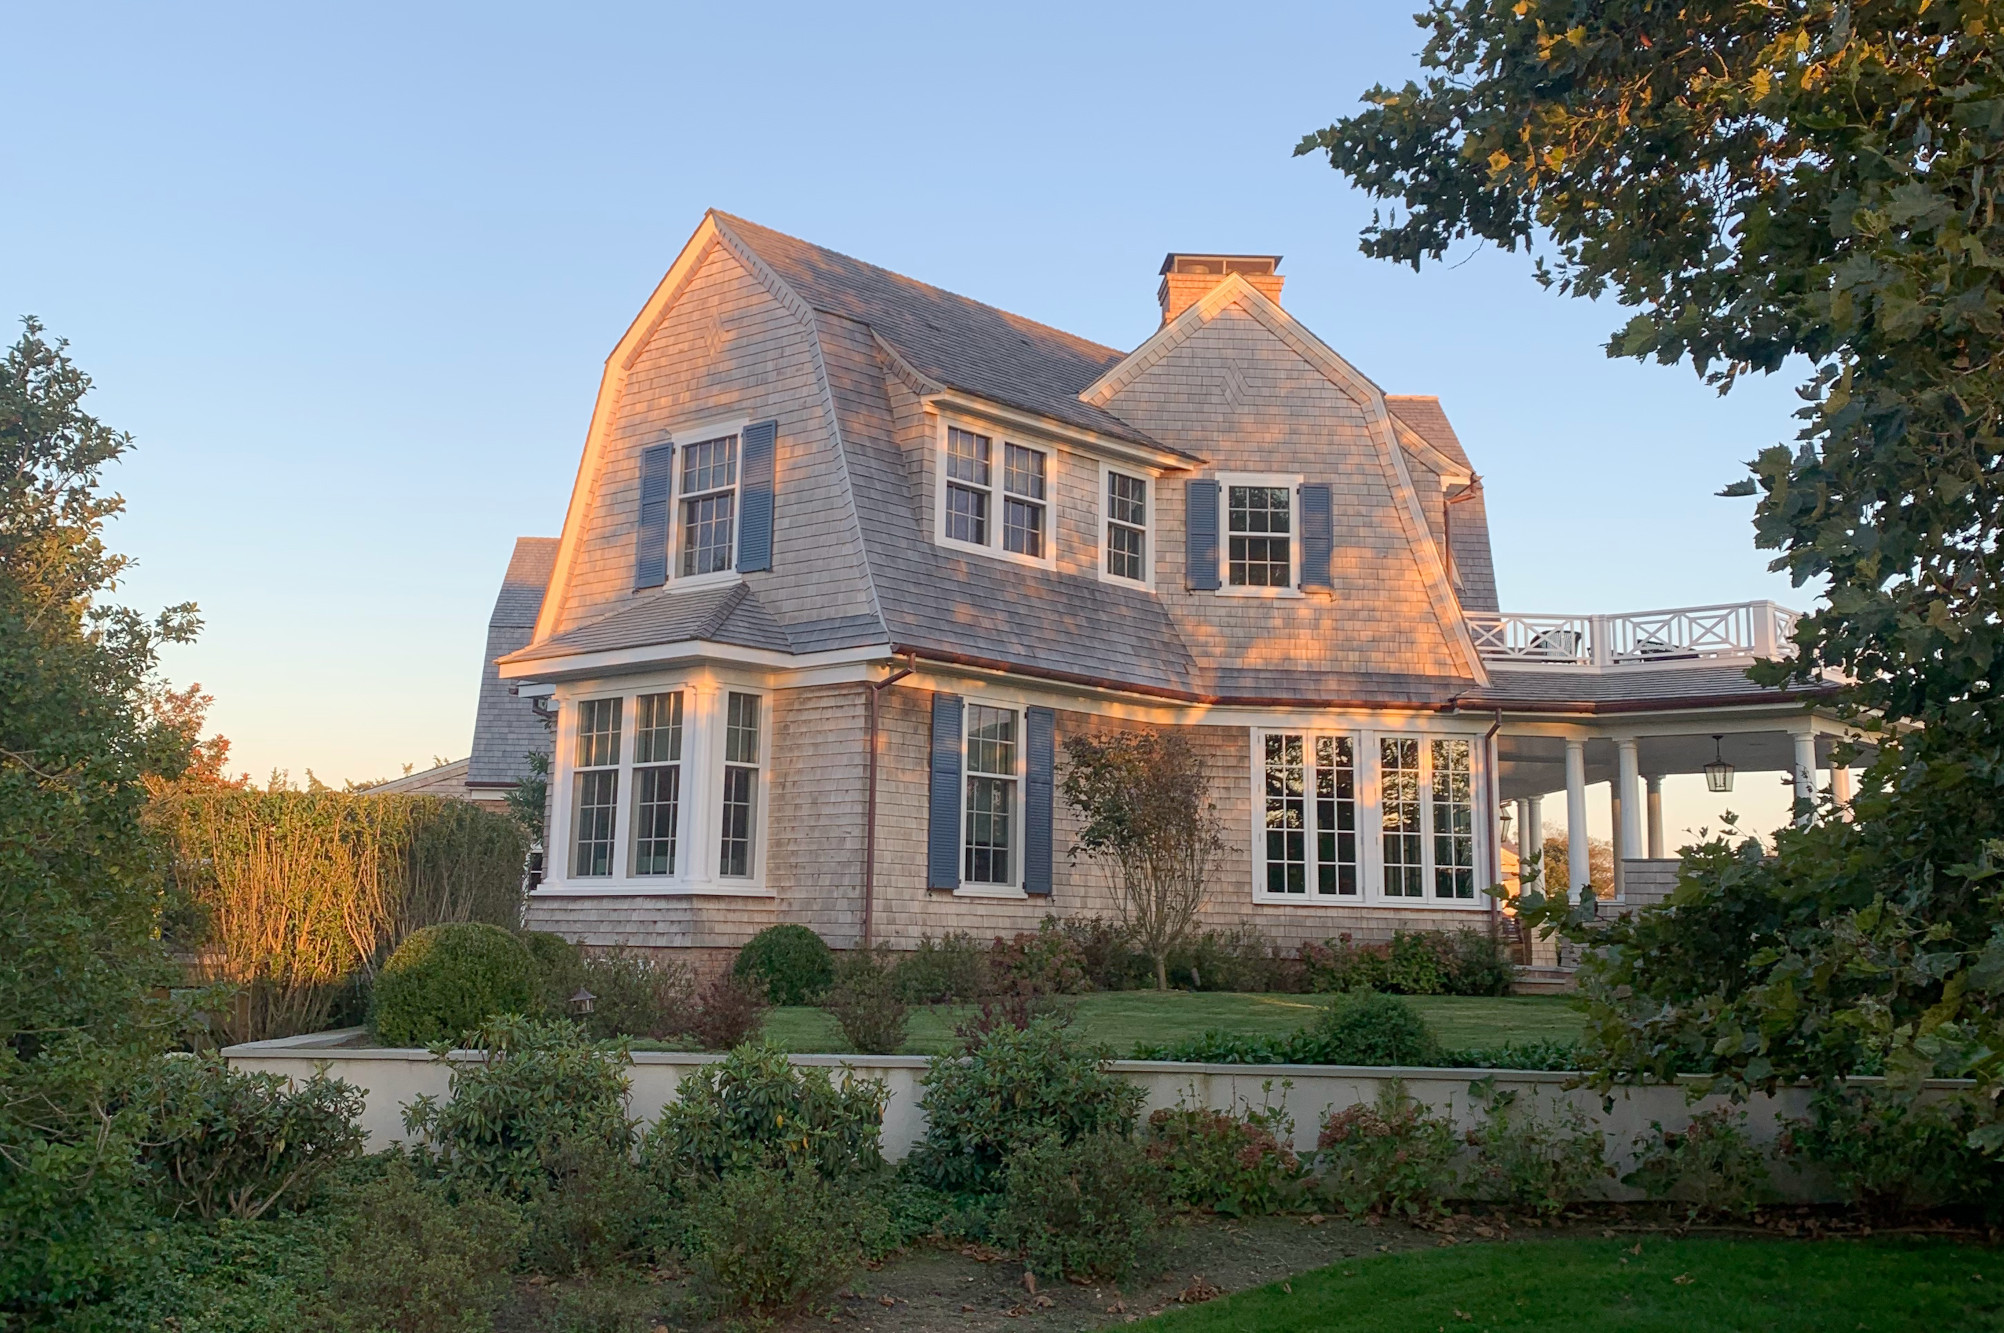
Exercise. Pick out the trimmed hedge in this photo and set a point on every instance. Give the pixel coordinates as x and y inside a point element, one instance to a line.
<point>444,981</point>
<point>790,963</point>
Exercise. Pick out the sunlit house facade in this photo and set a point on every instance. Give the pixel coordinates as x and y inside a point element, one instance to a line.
<point>849,558</point>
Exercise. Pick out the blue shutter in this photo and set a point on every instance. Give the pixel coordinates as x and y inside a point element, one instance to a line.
<point>755,497</point>
<point>1200,535</point>
<point>942,843</point>
<point>1318,535</point>
<point>1040,756</point>
<point>650,538</point>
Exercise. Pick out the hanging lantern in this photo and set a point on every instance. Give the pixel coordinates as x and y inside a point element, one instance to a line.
<point>1718,773</point>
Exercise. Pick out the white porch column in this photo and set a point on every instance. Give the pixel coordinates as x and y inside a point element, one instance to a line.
<point>1578,871</point>
<point>1617,836</point>
<point>1840,787</point>
<point>1805,771</point>
<point>1631,796</point>
<point>1531,836</point>
<point>1655,782</point>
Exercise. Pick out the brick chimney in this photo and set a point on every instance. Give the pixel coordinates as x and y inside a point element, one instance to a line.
<point>1187,278</point>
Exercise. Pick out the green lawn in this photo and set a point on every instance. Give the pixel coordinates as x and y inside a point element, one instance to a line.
<point>1675,1286</point>
<point>1122,1018</point>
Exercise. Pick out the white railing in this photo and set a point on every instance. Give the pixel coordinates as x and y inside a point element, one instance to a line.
<point>1685,634</point>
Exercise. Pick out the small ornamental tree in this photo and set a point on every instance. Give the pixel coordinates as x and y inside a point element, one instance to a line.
<point>1146,813</point>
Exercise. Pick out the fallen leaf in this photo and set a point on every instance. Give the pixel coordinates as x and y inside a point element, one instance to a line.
<point>1637,1249</point>
<point>887,1301</point>
<point>1287,1287</point>
<point>1118,1307</point>
<point>1045,1302</point>
<point>1198,1291</point>
<point>1464,1316</point>
<point>967,1309</point>
<point>1683,1279</point>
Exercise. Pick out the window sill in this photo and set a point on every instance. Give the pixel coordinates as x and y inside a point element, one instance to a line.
<point>1227,590</point>
<point>649,888</point>
<point>1378,901</point>
<point>1049,562</point>
<point>715,579</point>
<point>1001,892</point>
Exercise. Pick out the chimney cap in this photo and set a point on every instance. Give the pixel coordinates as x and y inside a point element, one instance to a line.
<point>1210,262</point>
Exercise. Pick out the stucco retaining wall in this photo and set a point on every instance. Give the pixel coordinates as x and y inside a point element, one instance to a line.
<point>391,1078</point>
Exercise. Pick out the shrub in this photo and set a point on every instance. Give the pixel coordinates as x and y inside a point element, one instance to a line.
<point>634,995</point>
<point>763,1241</point>
<point>1238,959</point>
<point>790,964</point>
<point>1106,951</point>
<point>864,1000</point>
<point>1237,1165</point>
<point>225,1143</point>
<point>756,1109</point>
<point>1893,1154</point>
<point>1366,1028</point>
<point>606,1305</point>
<point>1015,1087</point>
<point>415,1263</point>
<point>724,1014</point>
<point>1531,1161</point>
<point>559,971</point>
<point>1479,964</point>
<point>1712,1165</point>
<point>1080,1208</point>
<point>1389,1159</point>
<point>1035,963</point>
<point>1415,962</point>
<point>591,1210</point>
<point>538,1088</point>
<point>953,967</point>
<point>1419,962</point>
<point>444,981</point>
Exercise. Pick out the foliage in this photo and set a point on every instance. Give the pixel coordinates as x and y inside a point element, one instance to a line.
<point>1035,963</point>
<point>1393,1158</point>
<point>1893,1152</point>
<point>756,1109</point>
<point>1078,1208</point>
<point>789,963</point>
<point>1366,1028</point>
<point>1532,1161</point>
<point>224,1143</point>
<point>1307,1046</point>
<point>1106,951</point>
<point>633,995</point>
<point>611,1304</point>
<point>1760,182</point>
<point>1555,864</point>
<point>1235,959</point>
<point>534,1088</point>
<point>1145,810</point>
<point>529,799</point>
<point>1014,1087</point>
<point>1711,1165</point>
<point>225,1276</point>
<point>444,981</point>
<point>1235,1165</point>
<point>1415,962</point>
<point>864,1000</point>
<point>415,1262</point>
<point>726,1013</point>
<point>559,968</point>
<point>766,1240</point>
<point>591,1210</point>
<point>289,894</point>
<point>941,971</point>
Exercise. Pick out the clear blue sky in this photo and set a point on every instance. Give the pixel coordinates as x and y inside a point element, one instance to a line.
<point>349,274</point>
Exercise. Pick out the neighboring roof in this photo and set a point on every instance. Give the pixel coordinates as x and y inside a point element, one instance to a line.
<point>731,614</point>
<point>956,342</point>
<point>1665,686</point>
<point>445,780</point>
<point>506,729</point>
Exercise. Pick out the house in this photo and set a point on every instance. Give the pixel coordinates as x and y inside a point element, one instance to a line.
<point>849,558</point>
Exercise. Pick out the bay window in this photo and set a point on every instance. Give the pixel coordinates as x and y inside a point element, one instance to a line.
<point>740,795</point>
<point>657,782</point>
<point>595,787</point>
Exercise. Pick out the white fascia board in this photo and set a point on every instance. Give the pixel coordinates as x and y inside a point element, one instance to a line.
<point>621,660</point>
<point>1059,433</point>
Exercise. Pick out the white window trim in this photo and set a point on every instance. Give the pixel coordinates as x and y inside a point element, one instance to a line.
<point>700,832</point>
<point>683,437</point>
<point>1014,888</point>
<point>997,462</point>
<point>1153,483</point>
<point>1227,480</point>
<point>1370,819</point>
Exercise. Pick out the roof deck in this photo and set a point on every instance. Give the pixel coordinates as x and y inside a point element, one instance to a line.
<point>1678,636</point>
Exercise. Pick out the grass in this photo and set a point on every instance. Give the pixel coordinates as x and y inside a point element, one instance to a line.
<point>1122,1018</point>
<point>1675,1286</point>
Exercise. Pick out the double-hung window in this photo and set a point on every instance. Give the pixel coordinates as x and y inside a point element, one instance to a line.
<point>1310,814</point>
<point>595,787</point>
<point>989,839</point>
<point>657,782</point>
<point>740,792</point>
<point>1399,799</point>
<point>995,495</point>
<point>1259,536</point>
<point>1453,819</point>
<point>1126,527</point>
<point>709,505</point>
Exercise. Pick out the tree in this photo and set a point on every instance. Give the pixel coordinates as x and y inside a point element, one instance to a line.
<point>1555,863</point>
<point>1146,812</point>
<point>1759,180</point>
<point>80,878</point>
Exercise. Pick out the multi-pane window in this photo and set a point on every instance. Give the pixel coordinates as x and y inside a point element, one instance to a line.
<point>709,504</point>
<point>1453,820</point>
<point>1310,790</point>
<point>991,795</point>
<point>969,479</point>
<point>1399,798</point>
<point>1126,526</point>
<point>741,765</point>
<point>657,781</point>
<point>595,787</point>
<point>1023,507</point>
<point>1259,537</point>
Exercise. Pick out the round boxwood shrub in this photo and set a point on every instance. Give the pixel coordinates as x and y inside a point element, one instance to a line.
<point>444,981</point>
<point>1364,1027</point>
<point>791,963</point>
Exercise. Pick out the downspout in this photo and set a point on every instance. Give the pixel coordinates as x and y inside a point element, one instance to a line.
<point>872,688</point>
<point>1490,768</point>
